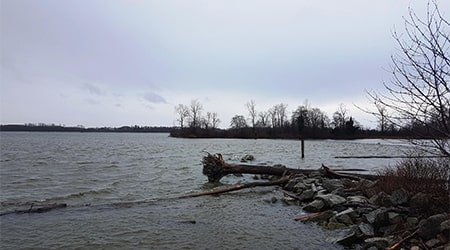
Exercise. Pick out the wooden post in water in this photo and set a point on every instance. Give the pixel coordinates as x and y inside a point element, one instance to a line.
<point>303,147</point>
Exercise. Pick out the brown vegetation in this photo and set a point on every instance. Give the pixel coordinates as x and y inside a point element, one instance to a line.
<point>417,175</point>
<point>420,175</point>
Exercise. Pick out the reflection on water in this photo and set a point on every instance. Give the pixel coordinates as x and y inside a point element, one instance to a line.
<point>121,191</point>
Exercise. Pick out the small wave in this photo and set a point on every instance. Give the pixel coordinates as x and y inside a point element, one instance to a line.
<point>82,194</point>
<point>15,203</point>
<point>85,162</point>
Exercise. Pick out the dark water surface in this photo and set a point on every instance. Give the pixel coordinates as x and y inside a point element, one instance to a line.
<point>121,191</point>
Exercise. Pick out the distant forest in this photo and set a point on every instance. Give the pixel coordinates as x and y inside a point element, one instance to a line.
<point>304,122</point>
<point>60,128</point>
<point>288,132</point>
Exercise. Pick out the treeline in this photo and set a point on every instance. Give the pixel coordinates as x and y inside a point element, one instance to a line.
<point>277,122</point>
<point>41,127</point>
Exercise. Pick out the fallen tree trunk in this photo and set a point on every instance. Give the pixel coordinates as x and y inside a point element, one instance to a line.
<point>40,209</point>
<point>280,181</point>
<point>327,172</point>
<point>214,167</point>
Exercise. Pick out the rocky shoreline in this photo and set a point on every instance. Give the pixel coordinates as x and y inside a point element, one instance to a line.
<point>365,217</point>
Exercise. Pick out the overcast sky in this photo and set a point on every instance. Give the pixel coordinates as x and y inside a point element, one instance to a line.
<point>130,62</point>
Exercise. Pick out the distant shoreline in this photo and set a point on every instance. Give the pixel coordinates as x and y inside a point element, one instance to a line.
<point>59,128</point>
<point>190,133</point>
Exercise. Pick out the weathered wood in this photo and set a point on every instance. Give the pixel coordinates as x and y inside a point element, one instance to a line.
<point>306,217</point>
<point>40,209</point>
<point>214,167</point>
<point>280,181</point>
<point>396,245</point>
<point>328,172</point>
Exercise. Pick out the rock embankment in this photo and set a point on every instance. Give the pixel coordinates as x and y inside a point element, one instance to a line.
<point>367,218</point>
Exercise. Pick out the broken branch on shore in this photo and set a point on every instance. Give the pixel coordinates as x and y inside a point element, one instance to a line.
<point>41,209</point>
<point>330,173</point>
<point>280,181</point>
<point>306,217</point>
<point>214,167</point>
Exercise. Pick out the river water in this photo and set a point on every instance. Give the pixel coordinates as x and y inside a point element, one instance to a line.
<point>121,191</point>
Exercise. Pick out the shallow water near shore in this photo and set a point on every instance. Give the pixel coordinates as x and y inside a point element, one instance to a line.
<point>121,191</point>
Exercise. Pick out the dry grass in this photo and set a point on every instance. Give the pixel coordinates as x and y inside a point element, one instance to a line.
<point>418,175</point>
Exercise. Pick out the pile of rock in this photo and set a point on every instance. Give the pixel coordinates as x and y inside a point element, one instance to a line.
<point>367,218</point>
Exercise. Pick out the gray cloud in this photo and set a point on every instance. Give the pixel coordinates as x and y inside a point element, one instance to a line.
<point>91,101</point>
<point>272,51</point>
<point>154,98</point>
<point>91,88</point>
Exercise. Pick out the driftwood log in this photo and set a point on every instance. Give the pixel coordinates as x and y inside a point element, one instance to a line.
<point>38,209</point>
<point>214,167</point>
<point>280,181</point>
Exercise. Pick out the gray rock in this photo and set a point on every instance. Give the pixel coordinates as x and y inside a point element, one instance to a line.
<point>299,187</point>
<point>379,242</point>
<point>386,201</point>
<point>315,174</point>
<point>324,216</point>
<point>412,221</point>
<point>331,200</point>
<point>420,200</point>
<point>339,191</point>
<point>335,225</point>
<point>361,211</point>
<point>321,191</point>
<point>357,199</point>
<point>346,238</point>
<point>377,199</point>
<point>364,183</point>
<point>399,197</point>
<point>432,243</point>
<point>247,158</point>
<point>378,217</point>
<point>394,218</point>
<point>306,195</point>
<point>314,206</point>
<point>347,216</point>
<point>430,227</point>
<point>309,181</point>
<point>292,182</point>
<point>387,230</point>
<point>445,225</point>
<point>366,229</point>
<point>332,184</point>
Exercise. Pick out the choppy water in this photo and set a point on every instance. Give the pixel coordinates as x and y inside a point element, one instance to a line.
<point>121,191</point>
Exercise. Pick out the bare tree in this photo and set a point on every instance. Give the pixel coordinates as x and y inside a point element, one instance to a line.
<point>263,120</point>
<point>211,120</point>
<point>183,113</point>
<point>281,114</point>
<point>418,96</point>
<point>252,112</point>
<point>340,116</point>
<point>215,121</point>
<point>195,112</point>
<point>381,115</point>
<point>207,120</point>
